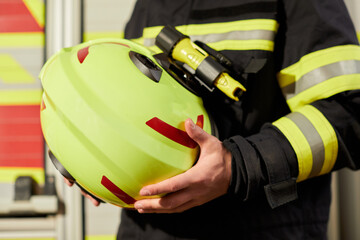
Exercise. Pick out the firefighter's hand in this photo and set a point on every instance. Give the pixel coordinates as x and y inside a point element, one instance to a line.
<point>208,179</point>
<point>93,200</point>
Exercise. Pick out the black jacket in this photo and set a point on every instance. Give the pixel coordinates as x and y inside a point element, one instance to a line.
<point>298,120</point>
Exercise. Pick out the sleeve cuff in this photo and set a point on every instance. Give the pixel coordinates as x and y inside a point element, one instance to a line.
<point>265,160</point>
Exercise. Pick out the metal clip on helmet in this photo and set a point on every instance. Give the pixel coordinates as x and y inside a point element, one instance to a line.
<point>114,119</point>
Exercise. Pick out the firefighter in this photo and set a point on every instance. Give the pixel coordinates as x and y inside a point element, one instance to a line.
<point>267,175</point>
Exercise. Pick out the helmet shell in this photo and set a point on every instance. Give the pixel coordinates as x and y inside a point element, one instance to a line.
<point>112,127</point>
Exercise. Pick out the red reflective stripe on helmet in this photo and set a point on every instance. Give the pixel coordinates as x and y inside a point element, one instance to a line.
<point>123,196</point>
<point>200,121</point>
<point>174,133</point>
<point>82,54</point>
<point>122,44</point>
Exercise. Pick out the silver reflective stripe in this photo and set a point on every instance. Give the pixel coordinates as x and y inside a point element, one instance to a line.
<point>314,140</point>
<point>234,35</point>
<point>320,75</point>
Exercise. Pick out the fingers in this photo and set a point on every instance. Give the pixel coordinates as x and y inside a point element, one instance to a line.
<point>180,181</point>
<point>195,132</point>
<point>68,182</point>
<point>173,184</point>
<point>178,196</point>
<point>93,201</point>
<point>172,203</point>
<point>178,209</point>
<point>203,182</point>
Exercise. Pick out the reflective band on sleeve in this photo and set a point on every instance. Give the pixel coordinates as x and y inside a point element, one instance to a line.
<point>313,140</point>
<point>256,34</point>
<point>321,74</point>
<point>299,143</point>
<point>327,134</point>
<point>325,89</point>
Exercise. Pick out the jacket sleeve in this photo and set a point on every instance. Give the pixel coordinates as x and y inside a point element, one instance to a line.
<point>318,58</point>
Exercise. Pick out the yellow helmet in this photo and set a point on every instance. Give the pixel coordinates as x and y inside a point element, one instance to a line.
<point>114,118</point>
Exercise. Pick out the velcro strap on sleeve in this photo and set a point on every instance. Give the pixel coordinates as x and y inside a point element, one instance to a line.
<point>281,187</point>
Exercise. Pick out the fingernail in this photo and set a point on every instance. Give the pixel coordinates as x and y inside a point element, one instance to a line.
<point>192,124</point>
<point>95,202</point>
<point>145,193</point>
<point>138,206</point>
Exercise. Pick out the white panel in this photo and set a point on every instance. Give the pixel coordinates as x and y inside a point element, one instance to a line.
<point>334,221</point>
<point>354,10</point>
<point>349,208</point>
<point>103,220</point>
<point>107,15</point>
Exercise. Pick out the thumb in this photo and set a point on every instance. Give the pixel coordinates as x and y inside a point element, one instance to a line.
<point>195,132</point>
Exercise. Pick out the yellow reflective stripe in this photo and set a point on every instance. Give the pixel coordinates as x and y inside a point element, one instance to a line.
<point>300,145</point>
<point>37,10</point>
<point>315,76</point>
<point>313,140</point>
<point>243,45</point>
<point>9,174</point>
<point>12,72</point>
<point>97,35</point>
<point>316,60</point>
<point>327,134</point>
<point>325,89</point>
<point>20,97</point>
<point>36,39</point>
